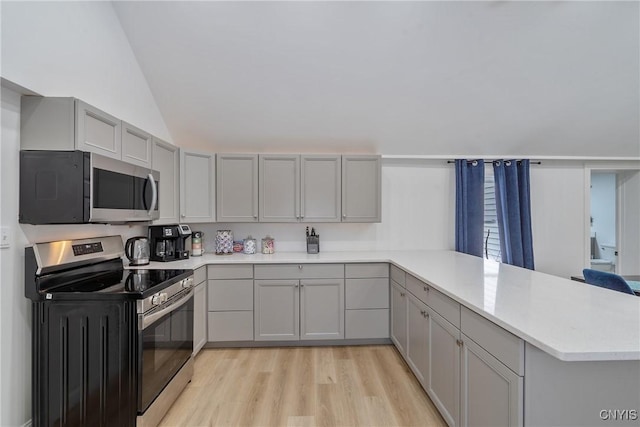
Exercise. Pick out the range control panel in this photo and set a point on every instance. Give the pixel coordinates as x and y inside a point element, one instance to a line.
<point>87,248</point>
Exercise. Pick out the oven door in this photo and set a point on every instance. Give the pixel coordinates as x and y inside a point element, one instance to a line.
<point>165,344</point>
<point>121,192</point>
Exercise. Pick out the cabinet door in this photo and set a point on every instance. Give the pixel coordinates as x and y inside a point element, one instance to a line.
<point>166,160</point>
<point>97,131</point>
<point>320,188</point>
<point>136,145</point>
<point>443,380</point>
<point>399,317</point>
<point>237,187</point>
<point>199,317</point>
<point>197,188</point>
<point>322,309</point>
<point>279,193</point>
<point>361,187</point>
<point>492,394</point>
<point>418,338</point>
<point>276,310</point>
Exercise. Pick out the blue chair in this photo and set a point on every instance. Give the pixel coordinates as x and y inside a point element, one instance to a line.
<point>606,280</point>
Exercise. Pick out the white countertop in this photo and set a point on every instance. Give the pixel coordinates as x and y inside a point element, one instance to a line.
<point>570,320</point>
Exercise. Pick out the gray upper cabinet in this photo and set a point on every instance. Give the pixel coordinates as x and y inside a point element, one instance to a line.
<point>51,123</point>
<point>136,145</point>
<point>279,193</point>
<point>97,131</point>
<point>320,187</point>
<point>165,159</point>
<point>299,188</point>
<point>197,186</point>
<point>237,187</point>
<point>361,188</point>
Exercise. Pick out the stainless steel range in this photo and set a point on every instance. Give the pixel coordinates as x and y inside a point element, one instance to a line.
<point>110,346</point>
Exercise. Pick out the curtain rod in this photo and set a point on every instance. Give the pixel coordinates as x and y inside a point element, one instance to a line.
<point>488,161</point>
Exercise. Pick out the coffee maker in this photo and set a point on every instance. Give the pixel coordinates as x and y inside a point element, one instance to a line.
<point>168,242</point>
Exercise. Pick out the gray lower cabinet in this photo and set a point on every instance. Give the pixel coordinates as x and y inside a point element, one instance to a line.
<point>165,158</point>
<point>197,186</point>
<point>290,310</point>
<point>399,317</point>
<point>367,300</point>
<point>443,380</point>
<point>417,355</point>
<point>237,187</point>
<point>199,309</point>
<point>322,309</point>
<point>276,312</point>
<point>491,393</point>
<point>361,188</point>
<point>230,303</point>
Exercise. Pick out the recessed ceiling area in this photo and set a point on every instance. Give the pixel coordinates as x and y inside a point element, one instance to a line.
<point>397,78</point>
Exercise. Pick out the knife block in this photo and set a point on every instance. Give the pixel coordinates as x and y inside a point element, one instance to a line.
<point>313,244</point>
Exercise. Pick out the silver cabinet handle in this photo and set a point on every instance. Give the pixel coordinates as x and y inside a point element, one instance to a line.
<point>401,294</point>
<point>296,285</point>
<point>459,343</point>
<point>426,289</point>
<point>344,215</point>
<point>299,267</point>
<point>183,215</point>
<point>301,285</point>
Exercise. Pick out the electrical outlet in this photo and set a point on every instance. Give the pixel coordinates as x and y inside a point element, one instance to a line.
<point>5,241</point>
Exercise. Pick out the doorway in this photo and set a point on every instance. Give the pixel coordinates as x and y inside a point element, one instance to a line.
<point>613,237</point>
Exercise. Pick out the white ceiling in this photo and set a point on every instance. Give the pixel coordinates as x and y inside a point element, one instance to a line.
<point>409,78</point>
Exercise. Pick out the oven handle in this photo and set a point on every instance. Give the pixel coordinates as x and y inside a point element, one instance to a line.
<point>154,194</point>
<point>151,318</point>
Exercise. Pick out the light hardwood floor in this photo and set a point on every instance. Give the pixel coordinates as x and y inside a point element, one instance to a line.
<point>303,386</point>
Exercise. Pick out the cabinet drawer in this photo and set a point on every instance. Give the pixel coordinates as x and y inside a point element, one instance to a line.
<point>299,271</point>
<point>418,288</point>
<point>397,275</point>
<point>244,271</point>
<point>501,344</point>
<point>367,324</point>
<point>367,293</point>
<point>366,270</point>
<point>199,275</point>
<point>230,326</point>
<point>230,295</point>
<point>445,306</point>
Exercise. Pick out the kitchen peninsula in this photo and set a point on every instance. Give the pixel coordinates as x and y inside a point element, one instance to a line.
<point>551,344</point>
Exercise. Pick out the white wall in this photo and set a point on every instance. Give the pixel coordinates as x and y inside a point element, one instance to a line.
<point>417,213</point>
<point>603,207</point>
<point>77,49</point>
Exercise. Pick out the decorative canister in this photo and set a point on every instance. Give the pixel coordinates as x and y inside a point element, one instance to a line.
<point>238,246</point>
<point>267,245</point>
<point>224,242</point>
<point>249,245</point>
<point>196,243</point>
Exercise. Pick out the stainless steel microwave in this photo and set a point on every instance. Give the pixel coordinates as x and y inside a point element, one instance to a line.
<point>74,187</point>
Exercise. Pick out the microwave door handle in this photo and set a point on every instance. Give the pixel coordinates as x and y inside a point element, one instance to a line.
<point>154,194</point>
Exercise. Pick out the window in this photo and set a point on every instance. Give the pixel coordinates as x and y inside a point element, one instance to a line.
<point>491,232</point>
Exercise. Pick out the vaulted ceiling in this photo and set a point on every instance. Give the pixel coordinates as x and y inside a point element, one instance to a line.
<point>406,78</point>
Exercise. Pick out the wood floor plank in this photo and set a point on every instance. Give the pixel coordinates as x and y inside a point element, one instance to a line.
<point>302,387</point>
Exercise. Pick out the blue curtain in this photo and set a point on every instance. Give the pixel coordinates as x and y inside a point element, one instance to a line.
<point>513,205</point>
<point>469,206</point>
